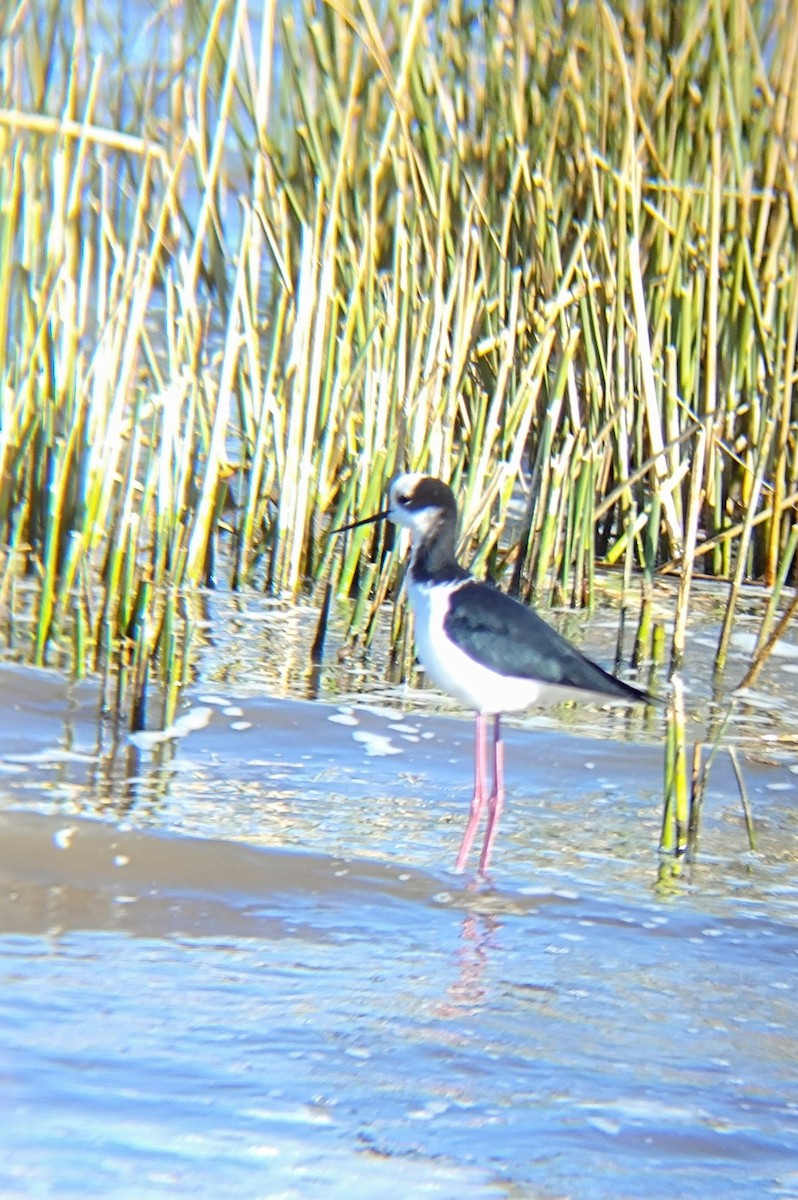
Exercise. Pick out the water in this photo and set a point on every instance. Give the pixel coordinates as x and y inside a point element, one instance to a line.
<point>236,962</point>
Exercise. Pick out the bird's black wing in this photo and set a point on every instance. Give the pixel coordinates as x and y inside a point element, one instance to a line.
<point>512,639</point>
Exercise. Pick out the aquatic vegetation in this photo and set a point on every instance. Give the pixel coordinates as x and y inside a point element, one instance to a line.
<point>253,263</point>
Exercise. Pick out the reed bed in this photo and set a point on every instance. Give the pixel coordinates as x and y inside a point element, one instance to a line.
<point>545,251</point>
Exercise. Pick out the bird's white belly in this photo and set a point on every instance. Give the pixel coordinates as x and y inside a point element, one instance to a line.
<point>452,669</point>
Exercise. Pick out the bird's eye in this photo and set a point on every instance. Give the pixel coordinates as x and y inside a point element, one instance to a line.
<point>403,501</point>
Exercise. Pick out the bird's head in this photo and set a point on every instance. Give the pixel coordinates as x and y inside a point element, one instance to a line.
<point>416,502</point>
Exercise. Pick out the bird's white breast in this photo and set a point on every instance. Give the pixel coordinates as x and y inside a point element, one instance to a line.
<point>454,671</point>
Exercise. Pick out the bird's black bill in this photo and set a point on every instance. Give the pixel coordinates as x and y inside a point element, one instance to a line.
<point>380,516</point>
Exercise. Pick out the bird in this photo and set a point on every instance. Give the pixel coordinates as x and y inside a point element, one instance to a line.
<point>488,650</point>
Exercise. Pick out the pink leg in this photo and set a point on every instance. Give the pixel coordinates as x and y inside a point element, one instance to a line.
<point>480,790</point>
<point>496,798</point>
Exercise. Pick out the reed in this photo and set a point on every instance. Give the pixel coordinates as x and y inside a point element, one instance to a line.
<point>676,811</point>
<point>543,250</point>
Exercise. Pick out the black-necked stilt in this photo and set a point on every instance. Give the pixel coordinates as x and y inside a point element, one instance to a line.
<point>480,645</point>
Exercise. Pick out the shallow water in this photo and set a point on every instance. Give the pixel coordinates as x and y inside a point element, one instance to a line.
<point>235,961</point>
